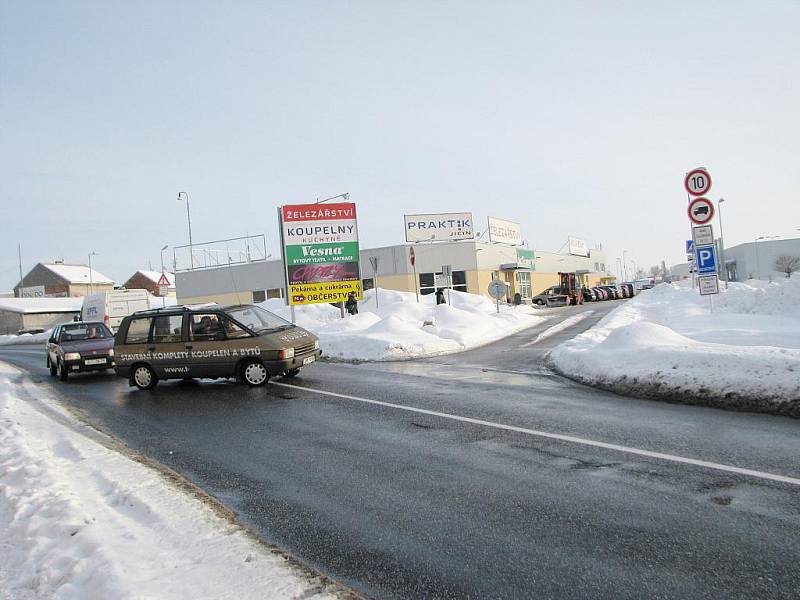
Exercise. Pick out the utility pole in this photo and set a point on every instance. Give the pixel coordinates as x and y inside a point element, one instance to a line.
<point>21,282</point>
<point>91,284</point>
<point>181,196</point>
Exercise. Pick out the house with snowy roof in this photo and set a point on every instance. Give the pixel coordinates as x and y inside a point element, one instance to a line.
<point>149,280</point>
<point>57,279</point>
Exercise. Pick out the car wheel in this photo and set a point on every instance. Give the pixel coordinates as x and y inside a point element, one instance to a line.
<point>540,302</point>
<point>254,373</point>
<point>291,373</point>
<point>53,368</point>
<point>62,371</point>
<point>144,377</point>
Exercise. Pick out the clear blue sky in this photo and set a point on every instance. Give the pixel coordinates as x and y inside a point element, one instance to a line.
<point>571,118</point>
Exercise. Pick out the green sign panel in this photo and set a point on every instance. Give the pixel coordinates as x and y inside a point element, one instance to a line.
<point>526,258</point>
<point>311,254</point>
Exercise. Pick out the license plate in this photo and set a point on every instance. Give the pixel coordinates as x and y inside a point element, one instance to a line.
<point>308,360</point>
<point>95,361</point>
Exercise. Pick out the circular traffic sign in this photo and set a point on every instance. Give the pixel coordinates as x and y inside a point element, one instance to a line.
<point>497,289</point>
<point>697,182</point>
<point>700,211</point>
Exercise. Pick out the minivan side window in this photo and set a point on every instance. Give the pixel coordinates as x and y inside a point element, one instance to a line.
<point>138,331</point>
<point>205,327</point>
<point>167,328</point>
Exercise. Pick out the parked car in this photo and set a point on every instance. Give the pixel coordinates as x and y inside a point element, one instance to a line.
<point>78,347</point>
<point>542,297</point>
<point>244,342</point>
<point>112,307</point>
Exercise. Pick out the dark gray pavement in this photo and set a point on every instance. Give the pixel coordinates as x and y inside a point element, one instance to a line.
<point>399,504</point>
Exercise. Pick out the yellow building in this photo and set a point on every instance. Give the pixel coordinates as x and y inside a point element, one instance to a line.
<point>472,267</point>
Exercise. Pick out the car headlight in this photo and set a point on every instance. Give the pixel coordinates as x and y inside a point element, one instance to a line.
<point>72,356</point>
<point>286,353</point>
<point>316,345</point>
<point>111,352</point>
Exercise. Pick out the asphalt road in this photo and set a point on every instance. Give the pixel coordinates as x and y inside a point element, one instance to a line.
<point>440,479</point>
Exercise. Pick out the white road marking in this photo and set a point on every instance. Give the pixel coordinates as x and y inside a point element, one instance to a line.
<point>558,436</point>
<point>566,323</point>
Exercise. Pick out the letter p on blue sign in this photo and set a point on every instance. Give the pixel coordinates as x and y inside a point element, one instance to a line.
<point>706,259</point>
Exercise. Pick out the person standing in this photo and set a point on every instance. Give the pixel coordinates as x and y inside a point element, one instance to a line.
<point>351,305</point>
<point>440,296</point>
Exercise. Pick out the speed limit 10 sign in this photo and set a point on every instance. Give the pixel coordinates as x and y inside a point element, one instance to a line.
<point>697,182</point>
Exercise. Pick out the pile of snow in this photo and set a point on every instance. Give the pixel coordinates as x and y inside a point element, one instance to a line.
<point>41,305</point>
<point>668,343</point>
<point>78,520</point>
<point>25,338</point>
<point>399,327</point>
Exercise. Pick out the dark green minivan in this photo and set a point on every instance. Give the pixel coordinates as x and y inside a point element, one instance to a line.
<point>244,341</point>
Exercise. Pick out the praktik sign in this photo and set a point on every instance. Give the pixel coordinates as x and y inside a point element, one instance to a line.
<point>320,252</point>
<point>439,227</point>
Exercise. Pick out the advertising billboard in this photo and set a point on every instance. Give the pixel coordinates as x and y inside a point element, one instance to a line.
<point>578,247</point>
<point>504,232</point>
<point>439,227</point>
<point>320,252</point>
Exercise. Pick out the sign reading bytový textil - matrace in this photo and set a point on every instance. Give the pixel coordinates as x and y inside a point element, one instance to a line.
<point>320,252</point>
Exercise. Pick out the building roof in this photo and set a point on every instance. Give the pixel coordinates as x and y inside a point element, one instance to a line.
<point>41,305</point>
<point>154,276</point>
<point>77,273</point>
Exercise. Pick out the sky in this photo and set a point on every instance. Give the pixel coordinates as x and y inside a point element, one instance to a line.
<point>571,118</point>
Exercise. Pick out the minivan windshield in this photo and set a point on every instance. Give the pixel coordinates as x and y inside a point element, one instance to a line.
<point>257,318</point>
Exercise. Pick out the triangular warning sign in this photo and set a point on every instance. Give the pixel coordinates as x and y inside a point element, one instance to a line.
<point>163,280</point>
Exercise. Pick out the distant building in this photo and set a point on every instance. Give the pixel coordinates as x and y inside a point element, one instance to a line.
<point>148,280</point>
<point>473,265</point>
<point>59,280</point>
<point>756,259</point>
<point>31,314</point>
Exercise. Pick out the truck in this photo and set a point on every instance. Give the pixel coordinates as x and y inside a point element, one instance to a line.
<point>111,307</point>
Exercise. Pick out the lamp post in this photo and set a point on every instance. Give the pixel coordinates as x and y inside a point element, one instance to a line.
<point>722,243</point>
<point>625,265</point>
<point>185,196</point>
<point>91,282</point>
<point>758,262</point>
<point>345,196</point>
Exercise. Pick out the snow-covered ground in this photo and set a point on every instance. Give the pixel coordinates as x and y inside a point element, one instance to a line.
<point>81,520</point>
<point>400,328</point>
<point>667,342</point>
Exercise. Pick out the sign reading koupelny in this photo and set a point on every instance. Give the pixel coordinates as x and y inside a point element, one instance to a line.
<point>320,252</point>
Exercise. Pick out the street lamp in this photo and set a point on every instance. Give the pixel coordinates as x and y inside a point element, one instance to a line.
<point>625,265</point>
<point>758,262</point>
<point>162,257</point>
<point>185,196</point>
<point>345,196</point>
<point>91,283</point>
<point>722,243</point>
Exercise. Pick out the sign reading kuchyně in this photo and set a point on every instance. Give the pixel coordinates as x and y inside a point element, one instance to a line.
<point>320,252</point>
<point>440,227</point>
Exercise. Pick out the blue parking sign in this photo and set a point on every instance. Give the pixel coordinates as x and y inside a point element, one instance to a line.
<point>706,259</point>
<point>689,246</point>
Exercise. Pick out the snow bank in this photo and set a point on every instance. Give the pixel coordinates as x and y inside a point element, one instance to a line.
<point>78,520</point>
<point>400,328</point>
<point>667,343</point>
<point>25,338</point>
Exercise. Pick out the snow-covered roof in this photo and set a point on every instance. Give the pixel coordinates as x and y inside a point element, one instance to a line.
<point>41,305</point>
<point>154,276</point>
<point>77,273</point>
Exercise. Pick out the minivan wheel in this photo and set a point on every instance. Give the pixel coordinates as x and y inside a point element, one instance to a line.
<point>144,377</point>
<point>62,371</point>
<point>254,373</point>
<point>291,373</point>
<point>53,368</point>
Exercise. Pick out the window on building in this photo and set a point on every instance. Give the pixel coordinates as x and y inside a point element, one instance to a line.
<point>430,282</point>
<point>603,267</point>
<point>138,331</point>
<point>167,328</point>
<point>275,293</point>
<point>368,284</point>
<point>524,278</point>
<point>596,267</point>
<point>259,295</point>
